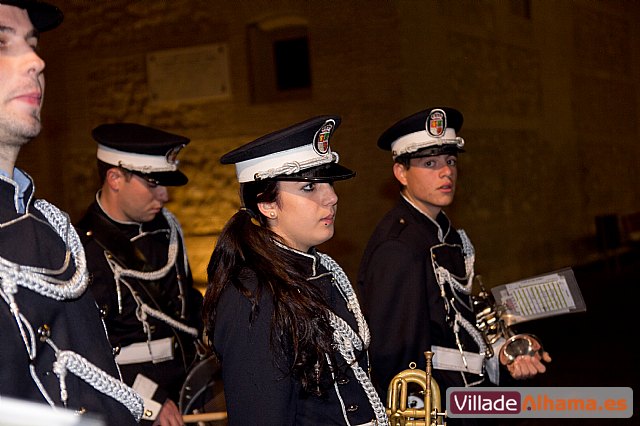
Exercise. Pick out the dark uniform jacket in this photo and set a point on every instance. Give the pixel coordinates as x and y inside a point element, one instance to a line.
<point>143,247</point>
<point>74,324</point>
<point>258,390</point>
<point>401,298</point>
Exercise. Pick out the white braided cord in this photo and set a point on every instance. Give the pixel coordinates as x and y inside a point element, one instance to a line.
<point>347,340</point>
<point>473,331</point>
<point>27,336</point>
<point>444,277</point>
<point>469,257</point>
<point>97,379</point>
<point>296,166</point>
<point>172,254</point>
<point>39,280</point>
<point>143,309</point>
<point>350,296</point>
<point>167,319</point>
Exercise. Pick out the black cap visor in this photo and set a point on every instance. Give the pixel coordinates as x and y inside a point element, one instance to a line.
<point>447,149</point>
<point>176,178</point>
<point>325,173</point>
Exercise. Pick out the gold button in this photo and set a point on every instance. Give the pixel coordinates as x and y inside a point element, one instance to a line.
<point>44,331</point>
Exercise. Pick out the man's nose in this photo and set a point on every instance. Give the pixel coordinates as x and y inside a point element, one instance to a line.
<point>161,193</point>
<point>35,64</point>
<point>446,171</point>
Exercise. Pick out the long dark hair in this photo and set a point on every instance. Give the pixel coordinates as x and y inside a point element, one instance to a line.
<point>300,326</point>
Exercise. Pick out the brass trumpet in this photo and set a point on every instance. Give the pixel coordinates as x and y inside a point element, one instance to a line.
<point>398,411</point>
<point>494,323</point>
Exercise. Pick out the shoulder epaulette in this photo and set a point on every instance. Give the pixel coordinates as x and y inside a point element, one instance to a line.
<point>397,227</point>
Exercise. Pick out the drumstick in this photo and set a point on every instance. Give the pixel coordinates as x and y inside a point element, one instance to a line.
<point>204,417</point>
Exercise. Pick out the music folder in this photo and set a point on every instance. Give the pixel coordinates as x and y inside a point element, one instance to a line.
<point>546,295</point>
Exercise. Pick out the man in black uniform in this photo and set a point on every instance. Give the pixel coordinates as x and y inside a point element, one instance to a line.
<point>54,348</point>
<point>416,274</point>
<point>139,266</point>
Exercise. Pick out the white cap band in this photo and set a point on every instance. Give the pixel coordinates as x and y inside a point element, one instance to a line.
<point>139,162</point>
<point>422,139</point>
<point>282,163</point>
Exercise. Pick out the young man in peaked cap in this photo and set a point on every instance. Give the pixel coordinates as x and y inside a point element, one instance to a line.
<point>54,347</point>
<point>417,271</point>
<point>140,272</point>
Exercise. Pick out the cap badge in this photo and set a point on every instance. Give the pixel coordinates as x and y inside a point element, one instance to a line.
<point>172,154</point>
<point>322,136</point>
<point>437,123</point>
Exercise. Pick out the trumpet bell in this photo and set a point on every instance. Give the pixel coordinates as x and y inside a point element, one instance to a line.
<point>519,344</point>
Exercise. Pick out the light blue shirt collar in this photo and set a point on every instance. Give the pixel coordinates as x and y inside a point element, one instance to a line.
<point>22,183</point>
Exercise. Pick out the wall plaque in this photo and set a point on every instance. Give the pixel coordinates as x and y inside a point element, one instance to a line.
<point>192,73</point>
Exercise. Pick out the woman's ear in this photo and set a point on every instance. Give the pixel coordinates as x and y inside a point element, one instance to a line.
<point>400,172</point>
<point>268,209</point>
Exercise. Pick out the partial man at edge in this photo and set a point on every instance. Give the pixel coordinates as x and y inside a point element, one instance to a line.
<point>55,350</point>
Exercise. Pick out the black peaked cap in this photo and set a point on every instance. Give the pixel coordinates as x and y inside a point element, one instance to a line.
<point>139,139</point>
<point>44,16</point>
<point>415,123</point>
<point>281,140</point>
<point>295,136</point>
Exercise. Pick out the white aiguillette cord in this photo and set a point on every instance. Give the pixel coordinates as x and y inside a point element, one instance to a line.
<point>347,340</point>
<point>119,273</point>
<point>40,281</point>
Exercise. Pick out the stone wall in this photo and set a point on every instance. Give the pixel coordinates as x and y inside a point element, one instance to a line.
<point>549,95</point>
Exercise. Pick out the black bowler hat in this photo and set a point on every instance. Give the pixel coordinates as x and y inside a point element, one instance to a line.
<point>300,152</point>
<point>43,16</point>
<point>145,151</point>
<point>432,131</point>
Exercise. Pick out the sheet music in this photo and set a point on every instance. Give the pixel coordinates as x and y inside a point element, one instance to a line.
<point>547,295</point>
